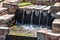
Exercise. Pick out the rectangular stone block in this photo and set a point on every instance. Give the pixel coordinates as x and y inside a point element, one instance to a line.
<point>58,15</point>
<point>47,35</point>
<point>47,8</point>
<point>11,10</point>
<point>14,1</point>
<point>42,2</point>
<point>41,35</point>
<point>7,17</point>
<point>11,7</point>
<point>52,36</point>
<point>4,31</point>
<point>56,7</point>
<point>5,4</point>
<point>56,26</point>
<point>3,11</point>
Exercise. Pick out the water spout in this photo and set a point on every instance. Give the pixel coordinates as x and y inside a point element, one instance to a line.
<point>23,16</point>
<point>40,18</point>
<point>31,26</point>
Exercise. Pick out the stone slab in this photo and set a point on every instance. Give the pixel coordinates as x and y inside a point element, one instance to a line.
<point>47,35</point>
<point>6,19</point>
<point>56,25</point>
<point>14,1</point>
<point>4,31</point>
<point>52,36</point>
<point>58,15</point>
<point>56,7</point>
<point>41,34</point>
<point>11,7</point>
<point>3,11</point>
<point>42,2</point>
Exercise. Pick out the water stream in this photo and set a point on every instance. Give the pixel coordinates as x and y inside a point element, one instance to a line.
<point>40,18</point>
<point>34,19</point>
<point>23,17</point>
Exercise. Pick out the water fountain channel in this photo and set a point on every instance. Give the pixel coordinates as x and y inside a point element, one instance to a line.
<point>30,21</point>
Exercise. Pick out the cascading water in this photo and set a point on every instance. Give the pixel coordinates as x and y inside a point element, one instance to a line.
<point>34,18</point>
<point>18,16</point>
<point>45,17</point>
<point>40,18</point>
<point>28,22</point>
<point>23,16</point>
<point>31,20</point>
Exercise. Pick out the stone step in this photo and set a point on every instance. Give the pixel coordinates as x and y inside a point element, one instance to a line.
<point>41,35</point>
<point>47,35</point>
<point>42,2</point>
<point>3,11</point>
<point>58,15</point>
<point>14,1</point>
<point>56,7</point>
<point>36,7</point>
<point>52,36</point>
<point>11,7</point>
<point>56,26</point>
<point>5,19</point>
<point>4,31</point>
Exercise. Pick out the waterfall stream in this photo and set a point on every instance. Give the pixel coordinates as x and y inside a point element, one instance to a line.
<point>31,19</point>
<point>40,18</point>
<point>23,17</point>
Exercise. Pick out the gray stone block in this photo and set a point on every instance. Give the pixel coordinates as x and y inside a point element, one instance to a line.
<point>56,7</point>
<point>4,31</point>
<point>58,15</point>
<point>11,7</point>
<point>56,26</point>
<point>52,36</point>
<point>47,35</point>
<point>41,35</point>
<point>3,11</point>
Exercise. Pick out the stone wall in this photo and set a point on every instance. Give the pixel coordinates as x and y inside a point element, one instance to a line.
<point>47,35</point>
<point>3,11</point>
<point>56,23</point>
<point>11,7</point>
<point>47,2</point>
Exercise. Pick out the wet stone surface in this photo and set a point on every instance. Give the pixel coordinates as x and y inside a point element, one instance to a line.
<point>24,30</point>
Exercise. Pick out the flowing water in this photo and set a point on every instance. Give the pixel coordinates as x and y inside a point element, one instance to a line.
<point>32,21</point>
<point>23,17</point>
<point>40,17</point>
